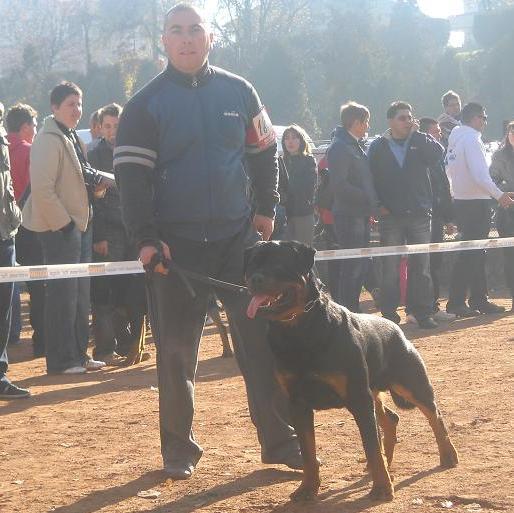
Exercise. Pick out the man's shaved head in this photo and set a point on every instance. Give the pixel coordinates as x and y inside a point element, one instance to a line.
<point>183,6</point>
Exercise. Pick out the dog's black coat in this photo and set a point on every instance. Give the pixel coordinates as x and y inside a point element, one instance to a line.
<point>329,357</point>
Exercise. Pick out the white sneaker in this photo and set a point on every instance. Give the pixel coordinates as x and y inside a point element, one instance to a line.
<point>94,364</point>
<point>442,316</point>
<point>74,370</point>
<point>411,319</point>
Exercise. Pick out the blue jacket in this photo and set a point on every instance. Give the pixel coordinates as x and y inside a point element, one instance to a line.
<point>185,149</point>
<point>405,189</point>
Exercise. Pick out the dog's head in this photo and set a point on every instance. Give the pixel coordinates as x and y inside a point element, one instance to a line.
<point>276,274</point>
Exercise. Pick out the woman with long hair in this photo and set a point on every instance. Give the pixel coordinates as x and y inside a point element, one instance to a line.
<point>301,171</point>
<point>502,172</point>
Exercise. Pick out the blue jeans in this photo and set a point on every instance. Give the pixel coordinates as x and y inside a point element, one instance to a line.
<point>67,300</point>
<point>352,232</point>
<point>399,230</point>
<point>7,259</point>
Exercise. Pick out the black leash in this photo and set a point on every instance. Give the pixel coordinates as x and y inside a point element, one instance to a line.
<point>185,275</point>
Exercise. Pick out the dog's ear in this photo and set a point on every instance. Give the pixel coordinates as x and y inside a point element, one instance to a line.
<point>248,254</point>
<point>305,257</point>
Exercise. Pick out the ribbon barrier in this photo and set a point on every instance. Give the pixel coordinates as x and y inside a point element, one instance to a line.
<point>56,272</point>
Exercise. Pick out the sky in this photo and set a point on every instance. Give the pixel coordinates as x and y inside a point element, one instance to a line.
<point>435,8</point>
<point>440,8</point>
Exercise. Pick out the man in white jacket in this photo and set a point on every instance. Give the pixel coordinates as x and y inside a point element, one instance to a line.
<point>472,188</point>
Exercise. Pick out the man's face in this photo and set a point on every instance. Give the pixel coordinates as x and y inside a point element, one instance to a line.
<point>479,122</point>
<point>453,107</point>
<point>186,41</point>
<point>401,124</point>
<point>435,131</point>
<point>70,111</point>
<point>360,128</point>
<point>108,128</point>
<point>28,130</point>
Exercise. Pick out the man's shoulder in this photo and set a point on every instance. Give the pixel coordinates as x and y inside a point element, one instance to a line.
<point>223,74</point>
<point>147,92</point>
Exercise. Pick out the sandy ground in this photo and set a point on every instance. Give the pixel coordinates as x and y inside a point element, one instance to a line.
<point>90,443</point>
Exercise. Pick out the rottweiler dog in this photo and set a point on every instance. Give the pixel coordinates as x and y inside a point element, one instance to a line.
<point>328,357</point>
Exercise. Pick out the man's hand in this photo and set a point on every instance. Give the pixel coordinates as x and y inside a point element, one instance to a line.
<point>505,200</point>
<point>102,248</point>
<point>264,225</point>
<point>147,252</point>
<point>383,211</point>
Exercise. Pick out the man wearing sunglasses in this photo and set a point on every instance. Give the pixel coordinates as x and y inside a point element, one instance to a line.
<point>472,189</point>
<point>400,162</point>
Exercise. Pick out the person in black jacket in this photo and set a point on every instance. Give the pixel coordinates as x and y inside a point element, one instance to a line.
<point>187,144</point>
<point>355,199</point>
<point>400,162</point>
<point>301,173</point>
<point>118,302</point>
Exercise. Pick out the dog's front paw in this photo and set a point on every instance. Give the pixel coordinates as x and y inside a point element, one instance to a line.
<point>382,493</point>
<point>306,491</point>
<point>449,458</point>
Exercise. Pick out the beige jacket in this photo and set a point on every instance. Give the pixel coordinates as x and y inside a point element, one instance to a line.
<point>58,191</point>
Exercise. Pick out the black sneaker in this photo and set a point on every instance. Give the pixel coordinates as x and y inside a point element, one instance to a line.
<point>13,392</point>
<point>463,311</point>
<point>392,316</point>
<point>490,308</point>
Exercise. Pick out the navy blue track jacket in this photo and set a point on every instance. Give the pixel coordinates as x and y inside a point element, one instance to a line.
<point>186,147</point>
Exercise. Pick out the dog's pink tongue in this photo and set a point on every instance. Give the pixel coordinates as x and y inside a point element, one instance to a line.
<point>255,302</point>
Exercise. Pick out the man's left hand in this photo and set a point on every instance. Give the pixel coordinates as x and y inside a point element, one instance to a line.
<point>264,225</point>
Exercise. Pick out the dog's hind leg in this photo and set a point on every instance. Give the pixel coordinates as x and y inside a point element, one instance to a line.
<point>388,420</point>
<point>214,313</point>
<point>447,453</point>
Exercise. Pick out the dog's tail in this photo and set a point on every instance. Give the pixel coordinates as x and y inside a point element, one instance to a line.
<point>401,402</point>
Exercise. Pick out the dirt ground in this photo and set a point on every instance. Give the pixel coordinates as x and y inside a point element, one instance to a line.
<point>91,444</point>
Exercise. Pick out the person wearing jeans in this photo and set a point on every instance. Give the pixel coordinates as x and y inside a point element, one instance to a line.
<point>59,210</point>
<point>472,188</point>
<point>400,162</point>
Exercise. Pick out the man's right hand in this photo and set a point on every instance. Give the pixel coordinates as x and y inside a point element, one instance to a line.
<point>147,252</point>
<point>384,211</point>
<point>505,200</point>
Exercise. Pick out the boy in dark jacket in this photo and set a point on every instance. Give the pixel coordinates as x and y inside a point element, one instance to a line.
<point>355,199</point>
<point>400,162</point>
<point>118,302</point>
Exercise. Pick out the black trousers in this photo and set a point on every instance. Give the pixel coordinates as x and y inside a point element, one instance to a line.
<point>177,323</point>
<point>468,273</point>
<point>30,252</point>
<point>505,226</point>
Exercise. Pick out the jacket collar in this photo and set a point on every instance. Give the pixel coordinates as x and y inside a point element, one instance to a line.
<point>196,80</point>
<point>50,126</point>
<point>15,140</point>
<point>342,134</point>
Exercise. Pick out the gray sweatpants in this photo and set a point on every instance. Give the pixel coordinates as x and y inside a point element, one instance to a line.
<point>177,323</point>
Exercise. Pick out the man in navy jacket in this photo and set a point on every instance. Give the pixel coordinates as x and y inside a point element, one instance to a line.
<point>400,162</point>
<point>187,144</point>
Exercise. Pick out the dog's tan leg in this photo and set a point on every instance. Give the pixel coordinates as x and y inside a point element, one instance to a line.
<point>388,420</point>
<point>447,453</point>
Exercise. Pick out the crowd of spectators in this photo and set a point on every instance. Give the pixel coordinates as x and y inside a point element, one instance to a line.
<point>415,183</point>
